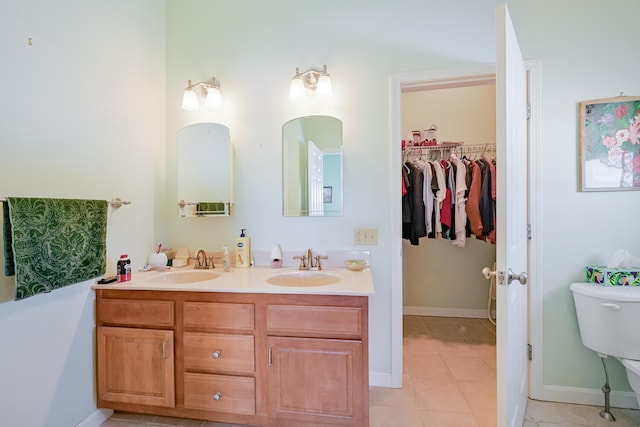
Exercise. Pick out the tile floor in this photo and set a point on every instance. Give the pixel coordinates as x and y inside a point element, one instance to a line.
<point>449,381</point>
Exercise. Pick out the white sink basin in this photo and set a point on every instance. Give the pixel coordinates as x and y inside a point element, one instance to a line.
<point>179,277</point>
<point>304,279</point>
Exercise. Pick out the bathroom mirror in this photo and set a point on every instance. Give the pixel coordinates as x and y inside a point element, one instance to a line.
<point>312,166</point>
<point>204,170</point>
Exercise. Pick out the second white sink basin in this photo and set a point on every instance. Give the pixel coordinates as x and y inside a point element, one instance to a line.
<point>178,277</point>
<point>304,279</point>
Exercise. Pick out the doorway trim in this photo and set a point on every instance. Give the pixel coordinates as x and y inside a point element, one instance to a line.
<point>441,78</point>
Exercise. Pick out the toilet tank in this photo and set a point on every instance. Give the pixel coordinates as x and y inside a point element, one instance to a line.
<point>609,318</point>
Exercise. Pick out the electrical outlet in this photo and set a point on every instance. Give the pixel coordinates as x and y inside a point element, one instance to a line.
<point>365,236</point>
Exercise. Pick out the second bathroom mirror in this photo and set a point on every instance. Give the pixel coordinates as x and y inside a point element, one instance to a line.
<point>204,172</point>
<point>312,166</point>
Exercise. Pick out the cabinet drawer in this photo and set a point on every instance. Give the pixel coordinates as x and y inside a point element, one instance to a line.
<point>220,393</point>
<point>309,320</point>
<point>134,312</point>
<point>219,353</point>
<point>218,315</point>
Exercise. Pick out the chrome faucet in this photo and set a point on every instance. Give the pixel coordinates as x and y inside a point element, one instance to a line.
<point>202,262</point>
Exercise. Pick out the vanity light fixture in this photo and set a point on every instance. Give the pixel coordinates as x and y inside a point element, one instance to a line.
<point>210,88</point>
<point>318,81</point>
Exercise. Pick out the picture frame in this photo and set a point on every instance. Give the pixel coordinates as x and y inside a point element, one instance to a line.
<point>609,133</point>
<point>327,194</point>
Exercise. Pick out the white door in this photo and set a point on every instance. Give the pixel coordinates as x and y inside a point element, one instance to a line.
<point>511,224</point>
<point>315,169</point>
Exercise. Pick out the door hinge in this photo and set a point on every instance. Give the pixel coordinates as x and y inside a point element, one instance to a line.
<point>528,231</point>
<point>530,351</point>
<point>528,110</point>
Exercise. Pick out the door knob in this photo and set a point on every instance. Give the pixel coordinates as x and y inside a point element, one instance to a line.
<point>487,272</point>
<point>522,277</point>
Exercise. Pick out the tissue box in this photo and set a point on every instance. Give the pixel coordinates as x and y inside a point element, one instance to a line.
<point>613,276</point>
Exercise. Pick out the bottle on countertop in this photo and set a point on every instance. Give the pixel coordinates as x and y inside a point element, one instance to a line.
<point>226,262</point>
<point>123,268</point>
<point>243,250</point>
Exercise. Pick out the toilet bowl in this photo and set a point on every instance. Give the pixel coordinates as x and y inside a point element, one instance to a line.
<point>607,317</point>
<point>633,375</point>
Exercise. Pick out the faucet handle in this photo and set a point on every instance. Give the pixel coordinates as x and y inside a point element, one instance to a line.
<point>318,258</point>
<point>303,261</point>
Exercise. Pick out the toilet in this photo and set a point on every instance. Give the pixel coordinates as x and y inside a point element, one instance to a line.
<point>608,317</point>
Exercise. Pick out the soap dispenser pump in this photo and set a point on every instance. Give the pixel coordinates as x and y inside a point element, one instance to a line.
<point>243,250</point>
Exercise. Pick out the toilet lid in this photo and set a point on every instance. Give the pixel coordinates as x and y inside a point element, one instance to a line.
<point>632,365</point>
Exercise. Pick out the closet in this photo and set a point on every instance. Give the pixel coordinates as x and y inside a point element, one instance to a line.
<point>441,276</point>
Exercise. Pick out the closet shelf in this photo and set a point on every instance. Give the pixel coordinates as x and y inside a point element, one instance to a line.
<point>446,148</point>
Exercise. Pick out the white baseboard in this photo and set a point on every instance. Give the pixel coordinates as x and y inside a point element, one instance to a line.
<point>378,379</point>
<point>96,418</point>
<point>589,396</point>
<point>446,312</point>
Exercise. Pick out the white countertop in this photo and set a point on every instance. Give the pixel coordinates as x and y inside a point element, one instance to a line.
<point>249,280</point>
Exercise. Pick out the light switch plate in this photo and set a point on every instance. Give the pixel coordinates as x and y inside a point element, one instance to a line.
<point>365,236</point>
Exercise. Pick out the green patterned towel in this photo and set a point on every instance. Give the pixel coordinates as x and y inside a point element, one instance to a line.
<point>211,208</point>
<point>55,242</point>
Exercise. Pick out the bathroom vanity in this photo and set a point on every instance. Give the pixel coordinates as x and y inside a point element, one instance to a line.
<point>236,349</point>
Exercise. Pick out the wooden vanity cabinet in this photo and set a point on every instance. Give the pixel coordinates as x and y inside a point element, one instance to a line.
<point>253,359</point>
<point>318,370</point>
<point>135,359</point>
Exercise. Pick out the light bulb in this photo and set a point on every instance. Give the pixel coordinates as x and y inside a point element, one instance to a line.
<point>323,89</point>
<point>214,98</point>
<point>190,100</point>
<point>296,90</point>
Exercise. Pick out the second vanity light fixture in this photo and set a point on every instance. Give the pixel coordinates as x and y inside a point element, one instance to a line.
<point>210,89</point>
<point>317,81</point>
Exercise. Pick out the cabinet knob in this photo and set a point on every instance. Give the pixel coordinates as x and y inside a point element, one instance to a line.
<point>216,354</point>
<point>217,396</point>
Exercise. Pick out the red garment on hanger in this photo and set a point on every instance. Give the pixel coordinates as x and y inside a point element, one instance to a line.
<point>445,210</point>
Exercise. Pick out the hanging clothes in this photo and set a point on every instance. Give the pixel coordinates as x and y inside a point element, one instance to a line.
<point>486,201</point>
<point>460,213</point>
<point>473,200</point>
<point>413,215</point>
<point>452,199</point>
<point>427,193</point>
<point>492,170</point>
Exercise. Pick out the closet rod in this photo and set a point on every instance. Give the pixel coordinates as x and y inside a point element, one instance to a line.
<point>114,203</point>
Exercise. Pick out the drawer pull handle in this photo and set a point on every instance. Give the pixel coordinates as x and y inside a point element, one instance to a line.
<point>216,354</point>
<point>270,358</point>
<point>164,350</point>
<point>217,396</point>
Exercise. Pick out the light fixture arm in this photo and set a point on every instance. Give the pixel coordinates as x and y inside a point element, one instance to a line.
<point>310,78</point>
<point>207,84</point>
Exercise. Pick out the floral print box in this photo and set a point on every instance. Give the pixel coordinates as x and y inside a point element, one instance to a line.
<point>613,276</point>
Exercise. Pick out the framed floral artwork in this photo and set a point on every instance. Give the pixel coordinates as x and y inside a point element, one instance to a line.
<point>610,144</point>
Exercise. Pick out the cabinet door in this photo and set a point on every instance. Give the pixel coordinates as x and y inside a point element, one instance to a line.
<point>136,366</point>
<point>316,380</point>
